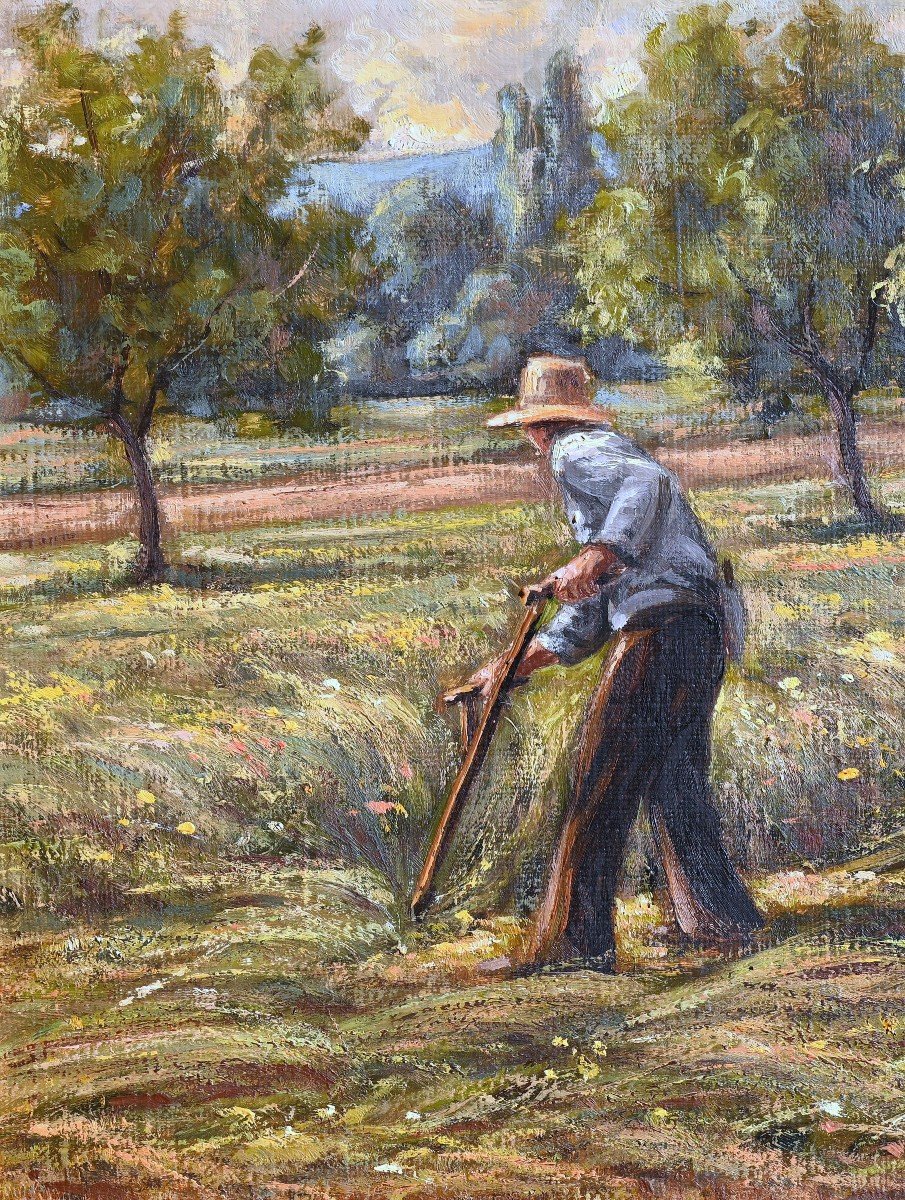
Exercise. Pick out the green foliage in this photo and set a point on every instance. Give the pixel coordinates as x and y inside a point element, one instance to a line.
<point>758,205</point>
<point>542,155</point>
<point>425,241</point>
<point>465,294</point>
<point>138,211</point>
<point>144,256</point>
<point>517,151</point>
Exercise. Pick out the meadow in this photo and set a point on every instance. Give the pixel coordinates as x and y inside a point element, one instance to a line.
<point>214,796</point>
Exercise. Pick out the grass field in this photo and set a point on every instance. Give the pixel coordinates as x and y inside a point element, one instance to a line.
<point>214,793</point>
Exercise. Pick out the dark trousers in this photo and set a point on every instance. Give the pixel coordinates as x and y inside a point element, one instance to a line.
<point>646,736</point>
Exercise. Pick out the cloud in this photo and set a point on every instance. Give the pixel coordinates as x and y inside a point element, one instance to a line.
<point>426,72</point>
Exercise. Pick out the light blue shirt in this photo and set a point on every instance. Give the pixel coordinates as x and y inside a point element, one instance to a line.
<point>616,495</point>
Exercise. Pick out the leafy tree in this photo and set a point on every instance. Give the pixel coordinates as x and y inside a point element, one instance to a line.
<point>518,158</point>
<point>758,203</point>
<point>460,293</point>
<point>515,300</point>
<point>477,339</point>
<point>543,154</point>
<point>144,254</point>
<point>498,318</point>
<point>571,170</point>
<point>424,241</point>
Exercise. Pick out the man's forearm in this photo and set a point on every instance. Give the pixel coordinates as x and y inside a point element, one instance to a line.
<point>600,559</point>
<point>583,574</point>
<point>534,658</point>
<point>578,580</point>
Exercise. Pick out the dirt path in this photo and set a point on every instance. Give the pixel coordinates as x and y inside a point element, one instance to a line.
<point>28,522</point>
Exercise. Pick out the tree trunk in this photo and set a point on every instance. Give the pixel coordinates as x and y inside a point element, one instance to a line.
<point>151,564</point>
<point>843,413</point>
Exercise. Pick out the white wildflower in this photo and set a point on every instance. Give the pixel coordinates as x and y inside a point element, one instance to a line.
<point>832,1108</point>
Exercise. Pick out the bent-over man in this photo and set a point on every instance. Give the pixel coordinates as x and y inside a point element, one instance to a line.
<point>646,581</point>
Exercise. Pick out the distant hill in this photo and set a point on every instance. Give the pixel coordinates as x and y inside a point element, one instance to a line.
<point>358,185</point>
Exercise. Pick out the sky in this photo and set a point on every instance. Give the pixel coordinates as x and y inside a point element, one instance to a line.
<point>426,72</point>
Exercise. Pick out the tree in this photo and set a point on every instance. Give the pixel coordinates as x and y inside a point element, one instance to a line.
<point>481,337</point>
<point>425,241</point>
<point>514,301</point>
<point>543,154</point>
<point>519,163</point>
<point>758,203</point>
<point>571,170</point>
<point>143,251</point>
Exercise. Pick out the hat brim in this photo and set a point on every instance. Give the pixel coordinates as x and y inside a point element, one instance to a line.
<point>549,413</point>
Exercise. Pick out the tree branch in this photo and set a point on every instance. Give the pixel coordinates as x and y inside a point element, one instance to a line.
<point>103,274</point>
<point>205,334</point>
<point>117,424</point>
<point>146,412</point>
<point>869,338</point>
<point>49,387</point>
<point>670,289</point>
<point>166,369</point>
<point>809,351</point>
<point>807,316</point>
<point>89,123</point>
<point>117,374</point>
<point>302,272</point>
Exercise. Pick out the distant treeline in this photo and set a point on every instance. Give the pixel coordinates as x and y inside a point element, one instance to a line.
<point>462,291</point>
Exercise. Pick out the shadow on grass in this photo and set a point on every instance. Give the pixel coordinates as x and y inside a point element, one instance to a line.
<point>236,578</point>
<point>210,906</point>
<point>396,563</point>
<point>858,923</point>
<point>260,556</point>
<point>807,529</point>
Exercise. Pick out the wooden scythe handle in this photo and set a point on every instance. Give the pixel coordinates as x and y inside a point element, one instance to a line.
<point>534,598</point>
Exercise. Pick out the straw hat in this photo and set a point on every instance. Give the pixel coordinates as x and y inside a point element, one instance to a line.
<point>553,389</point>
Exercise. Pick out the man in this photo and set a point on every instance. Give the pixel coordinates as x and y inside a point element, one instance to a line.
<point>646,580</point>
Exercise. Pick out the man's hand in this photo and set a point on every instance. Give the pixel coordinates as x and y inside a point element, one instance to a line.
<point>534,657</point>
<point>482,680</point>
<point>580,578</point>
<point>577,580</point>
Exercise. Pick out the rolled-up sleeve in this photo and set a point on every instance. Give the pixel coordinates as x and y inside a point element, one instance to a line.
<point>632,513</point>
<point>619,500</point>
<point>577,630</point>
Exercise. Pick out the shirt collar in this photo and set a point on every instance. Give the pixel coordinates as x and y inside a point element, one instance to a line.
<point>602,425</point>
